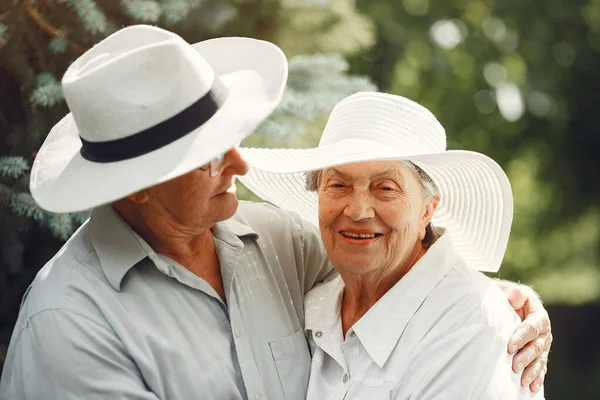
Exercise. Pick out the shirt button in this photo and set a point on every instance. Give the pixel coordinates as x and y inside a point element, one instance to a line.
<point>353,334</point>
<point>345,378</point>
<point>256,396</point>
<point>236,333</point>
<point>318,333</point>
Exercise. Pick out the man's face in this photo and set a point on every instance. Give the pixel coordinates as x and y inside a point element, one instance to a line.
<point>196,200</point>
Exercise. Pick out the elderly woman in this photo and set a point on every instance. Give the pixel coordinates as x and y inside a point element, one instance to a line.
<point>407,225</point>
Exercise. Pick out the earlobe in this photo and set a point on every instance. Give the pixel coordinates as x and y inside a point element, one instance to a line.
<point>423,233</point>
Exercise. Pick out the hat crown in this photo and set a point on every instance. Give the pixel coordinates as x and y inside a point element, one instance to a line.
<point>133,80</point>
<point>388,120</point>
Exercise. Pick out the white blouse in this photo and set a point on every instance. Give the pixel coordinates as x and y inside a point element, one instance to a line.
<point>440,333</point>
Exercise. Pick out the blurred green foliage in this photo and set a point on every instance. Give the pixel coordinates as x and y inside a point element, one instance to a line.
<point>517,81</point>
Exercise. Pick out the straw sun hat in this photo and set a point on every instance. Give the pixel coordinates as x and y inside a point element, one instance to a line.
<point>476,204</point>
<point>145,107</point>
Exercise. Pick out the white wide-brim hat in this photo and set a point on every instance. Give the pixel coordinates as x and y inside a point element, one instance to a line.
<point>476,205</point>
<point>146,107</point>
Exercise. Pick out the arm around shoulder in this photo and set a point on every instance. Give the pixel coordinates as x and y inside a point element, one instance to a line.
<point>470,363</point>
<point>63,355</point>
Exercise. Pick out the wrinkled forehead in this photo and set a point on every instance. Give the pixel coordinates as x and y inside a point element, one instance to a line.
<point>370,170</point>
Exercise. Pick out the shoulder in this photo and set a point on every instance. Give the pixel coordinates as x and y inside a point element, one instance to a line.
<point>273,222</point>
<point>470,297</point>
<point>64,279</point>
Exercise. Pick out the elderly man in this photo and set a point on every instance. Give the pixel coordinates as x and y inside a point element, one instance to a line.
<point>170,290</point>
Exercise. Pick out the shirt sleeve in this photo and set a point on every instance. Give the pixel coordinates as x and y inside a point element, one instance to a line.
<point>317,267</point>
<point>471,364</point>
<point>63,355</point>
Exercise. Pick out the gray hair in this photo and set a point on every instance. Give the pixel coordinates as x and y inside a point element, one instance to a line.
<point>430,190</point>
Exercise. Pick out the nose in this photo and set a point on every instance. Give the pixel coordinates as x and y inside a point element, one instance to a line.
<point>234,163</point>
<point>359,206</point>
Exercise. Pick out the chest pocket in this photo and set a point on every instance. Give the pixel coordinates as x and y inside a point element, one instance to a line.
<point>292,360</point>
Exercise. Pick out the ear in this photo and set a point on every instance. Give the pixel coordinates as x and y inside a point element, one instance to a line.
<point>139,197</point>
<point>430,208</point>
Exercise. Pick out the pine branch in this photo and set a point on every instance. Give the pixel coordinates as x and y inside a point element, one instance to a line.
<point>217,15</point>
<point>176,10</point>
<point>80,217</point>
<point>45,78</point>
<point>24,205</point>
<point>6,195</point>
<point>92,17</point>
<point>143,10</point>
<point>318,64</point>
<point>47,95</point>
<point>13,167</point>
<point>316,83</point>
<point>49,28</point>
<point>58,45</point>
<point>61,225</point>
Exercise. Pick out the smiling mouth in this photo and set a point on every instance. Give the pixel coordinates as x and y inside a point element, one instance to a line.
<point>354,235</point>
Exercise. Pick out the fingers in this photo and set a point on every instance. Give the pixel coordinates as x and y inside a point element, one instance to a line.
<point>539,381</point>
<point>533,300</point>
<point>535,324</point>
<point>537,384</point>
<point>533,375</point>
<point>534,353</point>
<point>524,334</point>
<point>516,296</point>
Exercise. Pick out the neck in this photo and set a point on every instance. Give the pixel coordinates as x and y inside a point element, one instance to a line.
<point>165,235</point>
<point>193,248</point>
<point>362,291</point>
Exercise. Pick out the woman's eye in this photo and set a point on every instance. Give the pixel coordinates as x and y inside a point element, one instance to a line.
<point>386,188</point>
<point>337,185</point>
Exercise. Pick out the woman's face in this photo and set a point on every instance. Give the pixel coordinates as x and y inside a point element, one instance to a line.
<point>373,216</point>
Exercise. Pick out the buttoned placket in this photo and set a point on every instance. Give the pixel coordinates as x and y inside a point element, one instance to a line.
<point>350,347</point>
<point>250,375</point>
<point>334,348</point>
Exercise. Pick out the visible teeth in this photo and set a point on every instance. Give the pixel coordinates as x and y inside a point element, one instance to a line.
<point>359,235</point>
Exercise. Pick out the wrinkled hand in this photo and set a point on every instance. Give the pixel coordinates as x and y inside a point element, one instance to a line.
<point>532,338</point>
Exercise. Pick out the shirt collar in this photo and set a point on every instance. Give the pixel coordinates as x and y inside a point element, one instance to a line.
<point>382,326</point>
<point>230,230</point>
<point>119,248</point>
<point>322,306</point>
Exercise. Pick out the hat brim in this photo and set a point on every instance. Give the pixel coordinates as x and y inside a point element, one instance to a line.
<point>476,205</point>
<point>254,73</point>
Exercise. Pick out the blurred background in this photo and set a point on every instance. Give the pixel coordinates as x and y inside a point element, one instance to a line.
<point>516,80</point>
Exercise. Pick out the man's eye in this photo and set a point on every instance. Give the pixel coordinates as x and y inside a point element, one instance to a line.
<point>386,188</point>
<point>336,185</point>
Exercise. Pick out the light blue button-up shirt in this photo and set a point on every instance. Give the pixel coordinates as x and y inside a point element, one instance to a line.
<point>107,317</point>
